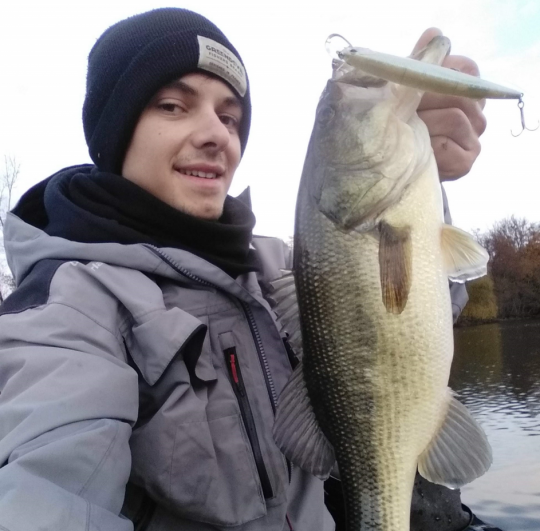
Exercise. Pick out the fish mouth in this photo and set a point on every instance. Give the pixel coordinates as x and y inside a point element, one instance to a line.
<point>344,73</point>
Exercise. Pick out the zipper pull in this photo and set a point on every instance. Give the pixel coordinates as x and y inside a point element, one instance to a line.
<point>289,522</point>
<point>233,368</point>
<point>234,373</point>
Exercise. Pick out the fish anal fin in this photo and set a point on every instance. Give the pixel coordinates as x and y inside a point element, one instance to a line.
<point>459,452</point>
<point>297,432</point>
<point>395,257</point>
<point>464,258</point>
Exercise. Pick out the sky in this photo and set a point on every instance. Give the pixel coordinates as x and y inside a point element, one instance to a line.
<point>44,48</point>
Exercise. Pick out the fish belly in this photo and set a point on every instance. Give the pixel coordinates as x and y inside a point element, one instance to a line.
<point>377,381</point>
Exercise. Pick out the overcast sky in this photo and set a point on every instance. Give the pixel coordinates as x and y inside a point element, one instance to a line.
<point>44,46</point>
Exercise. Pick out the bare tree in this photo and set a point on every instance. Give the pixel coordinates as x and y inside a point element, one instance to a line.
<point>8,182</point>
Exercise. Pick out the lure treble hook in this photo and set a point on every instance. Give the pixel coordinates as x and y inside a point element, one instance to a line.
<point>521,104</point>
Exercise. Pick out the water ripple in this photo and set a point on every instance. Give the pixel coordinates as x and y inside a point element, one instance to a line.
<point>496,374</point>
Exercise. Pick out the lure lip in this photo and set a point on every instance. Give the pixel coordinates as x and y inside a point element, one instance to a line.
<point>424,76</point>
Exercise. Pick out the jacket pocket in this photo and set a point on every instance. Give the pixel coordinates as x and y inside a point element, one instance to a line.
<point>154,341</point>
<point>239,388</point>
<point>214,478</point>
<point>191,451</point>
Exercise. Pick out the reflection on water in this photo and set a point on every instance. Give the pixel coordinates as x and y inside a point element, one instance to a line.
<point>496,373</point>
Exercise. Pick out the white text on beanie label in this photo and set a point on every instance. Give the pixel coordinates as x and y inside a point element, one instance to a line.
<point>219,60</point>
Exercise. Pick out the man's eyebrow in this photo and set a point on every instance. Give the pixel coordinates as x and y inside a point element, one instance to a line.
<point>231,101</point>
<point>182,87</point>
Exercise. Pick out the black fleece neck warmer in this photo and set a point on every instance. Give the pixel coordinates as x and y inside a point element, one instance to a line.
<point>87,205</point>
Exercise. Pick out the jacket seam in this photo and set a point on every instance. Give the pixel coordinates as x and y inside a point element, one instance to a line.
<point>136,316</point>
<point>100,464</point>
<point>169,503</point>
<point>22,310</point>
<point>87,316</point>
<point>207,420</point>
<point>88,516</point>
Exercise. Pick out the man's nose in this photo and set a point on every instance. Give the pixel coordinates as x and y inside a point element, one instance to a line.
<point>210,132</point>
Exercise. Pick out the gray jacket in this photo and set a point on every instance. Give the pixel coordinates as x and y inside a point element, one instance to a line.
<point>125,362</point>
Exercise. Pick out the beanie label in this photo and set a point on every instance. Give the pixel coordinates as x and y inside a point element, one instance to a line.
<point>218,59</point>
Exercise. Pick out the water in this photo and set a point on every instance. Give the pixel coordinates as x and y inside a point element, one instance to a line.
<point>496,373</point>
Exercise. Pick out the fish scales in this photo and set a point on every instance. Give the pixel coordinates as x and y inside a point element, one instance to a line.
<point>362,364</point>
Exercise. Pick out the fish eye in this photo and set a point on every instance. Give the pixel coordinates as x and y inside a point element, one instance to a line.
<point>326,115</point>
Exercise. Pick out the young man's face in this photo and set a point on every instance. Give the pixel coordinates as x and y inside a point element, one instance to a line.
<point>185,147</point>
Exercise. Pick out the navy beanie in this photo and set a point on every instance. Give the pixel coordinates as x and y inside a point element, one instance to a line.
<point>136,57</point>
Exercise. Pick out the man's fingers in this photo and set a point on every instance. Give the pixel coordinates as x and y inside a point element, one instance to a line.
<point>455,143</point>
<point>453,161</point>
<point>461,63</point>
<point>472,109</point>
<point>425,38</point>
<point>454,123</point>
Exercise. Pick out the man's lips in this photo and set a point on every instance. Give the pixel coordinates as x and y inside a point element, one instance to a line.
<point>205,171</point>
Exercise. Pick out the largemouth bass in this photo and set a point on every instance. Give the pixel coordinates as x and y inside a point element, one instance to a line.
<point>372,259</point>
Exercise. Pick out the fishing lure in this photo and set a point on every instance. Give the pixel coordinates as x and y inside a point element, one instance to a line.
<point>423,76</point>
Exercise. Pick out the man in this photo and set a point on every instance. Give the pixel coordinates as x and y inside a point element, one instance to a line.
<point>140,363</point>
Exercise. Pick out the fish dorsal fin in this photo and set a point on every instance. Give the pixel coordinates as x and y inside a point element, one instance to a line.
<point>459,452</point>
<point>464,258</point>
<point>395,257</point>
<point>286,308</point>
<point>297,432</point>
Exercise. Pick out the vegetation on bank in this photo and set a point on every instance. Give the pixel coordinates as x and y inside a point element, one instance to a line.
<point>512,287</point>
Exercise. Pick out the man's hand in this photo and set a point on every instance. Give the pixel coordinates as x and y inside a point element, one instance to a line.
<point>454,123</point>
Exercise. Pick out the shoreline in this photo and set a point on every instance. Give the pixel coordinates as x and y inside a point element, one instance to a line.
<point>468,321</point>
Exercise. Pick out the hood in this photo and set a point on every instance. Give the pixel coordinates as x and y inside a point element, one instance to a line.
<point>26,244</point>
<point>27,238</point>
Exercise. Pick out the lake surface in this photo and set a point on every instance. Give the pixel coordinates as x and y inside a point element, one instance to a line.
<point>496,373</point>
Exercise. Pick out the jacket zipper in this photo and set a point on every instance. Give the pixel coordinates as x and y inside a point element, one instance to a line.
<point>235,374</point>
<point>242,398</point>
<point>270,387</point>
<point>269,381</point>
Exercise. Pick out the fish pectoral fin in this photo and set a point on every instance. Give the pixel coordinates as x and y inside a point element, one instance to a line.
<point>297,432</point>
<point>464,258</point>
<point>286,308</point>
<point>459,452</point>
<point>395,257</point>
